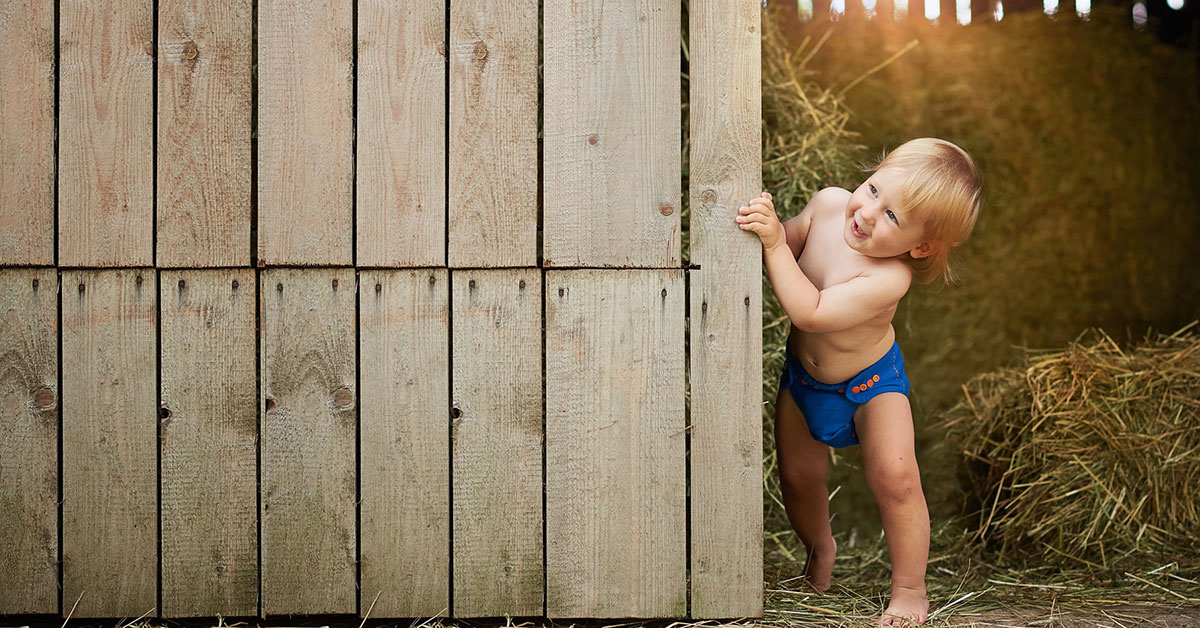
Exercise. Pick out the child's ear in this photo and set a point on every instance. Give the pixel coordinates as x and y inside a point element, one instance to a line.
<point>924,249</point>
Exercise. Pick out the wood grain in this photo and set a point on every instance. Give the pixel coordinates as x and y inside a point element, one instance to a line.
<point>726,311</point>
<point>209,445</point>
<point>497,439</point>
<point>615,444</point>
<point>109,442</point>
<point>404,351</point>
<point>106,133</point>
<point>27,132</point>
<point>401,161</point>
<point>612,134</point>
<point>29,440</point>
<point>305,132</point>
<point>493,133</point>
<point>204,133</point>
<point>308,481</point>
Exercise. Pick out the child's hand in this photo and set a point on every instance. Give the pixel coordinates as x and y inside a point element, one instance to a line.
<point>760,218</point>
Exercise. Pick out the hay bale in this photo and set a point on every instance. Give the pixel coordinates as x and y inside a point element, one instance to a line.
<point>1090,454</point>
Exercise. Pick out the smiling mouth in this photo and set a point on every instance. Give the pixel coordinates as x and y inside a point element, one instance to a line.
<point>855,230</point>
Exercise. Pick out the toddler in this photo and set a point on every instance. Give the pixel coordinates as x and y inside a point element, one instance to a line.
<point>839,269</point>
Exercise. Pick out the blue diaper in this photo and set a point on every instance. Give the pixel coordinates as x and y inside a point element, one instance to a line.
<point>829,408</point>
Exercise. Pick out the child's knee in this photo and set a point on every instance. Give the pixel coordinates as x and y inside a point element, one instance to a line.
<point>894,482</point>
<point>803,476</point>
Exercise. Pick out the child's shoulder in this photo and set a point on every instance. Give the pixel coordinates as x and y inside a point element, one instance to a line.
<point>827,200</point>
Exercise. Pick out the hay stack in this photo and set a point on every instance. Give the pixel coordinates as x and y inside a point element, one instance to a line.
<point>1091,454</point>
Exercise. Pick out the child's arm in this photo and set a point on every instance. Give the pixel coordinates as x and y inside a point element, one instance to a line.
<point>796,228</point>
<point>838,307</point>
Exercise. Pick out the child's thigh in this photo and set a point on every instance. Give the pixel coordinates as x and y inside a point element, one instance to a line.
<point>800,456</point>
<point>885,429</point>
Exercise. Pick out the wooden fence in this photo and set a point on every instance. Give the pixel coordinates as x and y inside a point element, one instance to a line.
<point>302,314</point>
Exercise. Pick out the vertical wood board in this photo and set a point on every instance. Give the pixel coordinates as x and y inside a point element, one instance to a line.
<point>612,134</point>
<point>401,161</point>
<point>305,132</point>
<point>309,425</point>
<point>27,133</point>
<point>204,132</point>
<point>209,446</point>
<point>726,311</point>
<point>497,438</point>
<point>106,133</point>
<point>726,446</point>
<point>615,444</point>
<point>493,133</point>
<point>405,485</point>
<point>109,441</point>
<point>29,440</point>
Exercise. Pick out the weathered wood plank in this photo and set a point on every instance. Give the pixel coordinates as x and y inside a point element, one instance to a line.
<point>493,133</point>
<point>305,132</point>
<point>106,133</point>
<point>27,133</point>
<point>615,444</point>
<point>110,469</point>
<point>209,446</point>
<point>401,166</point>
<point>726,311</point>
<point>405,446</point>
<point>612,133</point>
<point>498,443</point>
<point>29,440</point>
<point>308,482</point>
<point>204,133</point>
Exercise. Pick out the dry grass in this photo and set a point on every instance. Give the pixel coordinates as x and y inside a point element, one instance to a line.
<point>1089,455</point>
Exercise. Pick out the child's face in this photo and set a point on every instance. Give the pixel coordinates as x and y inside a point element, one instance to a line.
<point>874,224</point>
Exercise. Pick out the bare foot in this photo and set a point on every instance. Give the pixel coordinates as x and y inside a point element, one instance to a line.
<point>908,607</point>
<point>819,568</point>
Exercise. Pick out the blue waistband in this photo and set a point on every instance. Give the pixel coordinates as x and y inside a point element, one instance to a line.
<point>891,364</point>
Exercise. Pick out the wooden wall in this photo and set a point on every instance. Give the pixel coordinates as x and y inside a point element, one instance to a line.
<point>304,313</point>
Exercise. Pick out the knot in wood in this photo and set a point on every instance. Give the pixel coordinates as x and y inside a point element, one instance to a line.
<point>708,196</point>
<point>342,397</point>
<point>666,209</point>
<point>592,139</point>
<point>182,284</point>
<point>190,50</point>
<point>43,398</point>
<point>235,284</point>
<point>481,51</point>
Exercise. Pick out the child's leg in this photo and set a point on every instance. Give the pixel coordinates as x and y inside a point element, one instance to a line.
<point>885,428</point>
<point>803,465</point>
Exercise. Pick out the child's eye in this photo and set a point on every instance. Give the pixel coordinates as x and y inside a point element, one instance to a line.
<point>873,190</point>
<point>892,216</point>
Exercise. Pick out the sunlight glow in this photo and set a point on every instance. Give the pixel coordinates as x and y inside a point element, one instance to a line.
<point>805,7</point>
<point>963,9</point>
<point>900,9</point>
<point>933,9</point>
<point>998,14</point>
<point>1050,7</point>
<point>869,6</point>
<point>837,7</point>
<point>1083,8</point>
<point>1175,4</point>
<point>1139,14</point>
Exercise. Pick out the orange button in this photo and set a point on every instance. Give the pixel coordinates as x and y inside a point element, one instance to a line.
<point>876,378</point>
<point>841,390</point>
<point>870,383</point>
<point>855,389</point>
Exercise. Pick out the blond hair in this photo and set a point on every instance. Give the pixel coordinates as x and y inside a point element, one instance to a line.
<point>941,184</point>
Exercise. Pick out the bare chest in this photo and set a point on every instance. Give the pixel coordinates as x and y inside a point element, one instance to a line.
<point>826,260</point>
